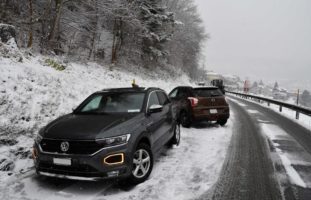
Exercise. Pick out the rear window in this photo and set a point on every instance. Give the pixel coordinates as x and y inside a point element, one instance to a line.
<point>207,92</point>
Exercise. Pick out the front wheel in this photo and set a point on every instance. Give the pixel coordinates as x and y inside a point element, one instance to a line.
<point>142,164</point>
<point>175,140</point>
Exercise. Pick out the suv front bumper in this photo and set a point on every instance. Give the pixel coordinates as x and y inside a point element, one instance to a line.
<point>84,167</point>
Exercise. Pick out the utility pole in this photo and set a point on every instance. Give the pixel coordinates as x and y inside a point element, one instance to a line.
<point>298,98</point>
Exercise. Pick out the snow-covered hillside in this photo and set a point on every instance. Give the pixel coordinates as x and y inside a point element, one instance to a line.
<point>32,93</point>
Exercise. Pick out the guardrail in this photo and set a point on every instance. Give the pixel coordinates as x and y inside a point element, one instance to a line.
<point>281,104</point>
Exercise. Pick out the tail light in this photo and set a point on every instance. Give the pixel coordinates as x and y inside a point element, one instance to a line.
<point>194,101</point>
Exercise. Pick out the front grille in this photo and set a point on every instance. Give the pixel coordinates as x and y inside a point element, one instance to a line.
<point>75,147</point>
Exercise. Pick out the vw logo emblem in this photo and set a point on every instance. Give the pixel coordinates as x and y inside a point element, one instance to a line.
<point>64,146</point>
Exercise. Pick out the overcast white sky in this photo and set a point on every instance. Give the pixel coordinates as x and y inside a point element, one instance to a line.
<point>268,39</point>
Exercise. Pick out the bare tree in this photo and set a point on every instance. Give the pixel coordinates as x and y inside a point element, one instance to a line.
<point>30,38</point>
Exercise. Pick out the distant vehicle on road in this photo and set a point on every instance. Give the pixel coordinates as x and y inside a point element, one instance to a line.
<point>201,83</point>
<point>219,83</point>
<point>201,103</point>
<point>114,133</point>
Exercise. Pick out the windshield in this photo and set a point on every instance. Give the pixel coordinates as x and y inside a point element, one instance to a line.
<point>113,103</point>
<point>207,92</point>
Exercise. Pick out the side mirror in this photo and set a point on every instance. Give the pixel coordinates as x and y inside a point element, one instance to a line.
<point>73,109</point>
<point>155,109</point>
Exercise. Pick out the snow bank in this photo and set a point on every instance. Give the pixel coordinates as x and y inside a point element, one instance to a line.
<point>10,50</point>
<point>7,32</point>
<point>8,46</point>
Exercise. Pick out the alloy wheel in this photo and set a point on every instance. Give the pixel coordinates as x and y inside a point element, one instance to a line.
<point>141,163</point>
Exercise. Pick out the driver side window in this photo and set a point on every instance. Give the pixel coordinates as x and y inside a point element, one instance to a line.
<point>153,99</point>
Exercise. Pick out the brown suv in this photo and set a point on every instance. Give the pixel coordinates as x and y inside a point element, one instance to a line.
<point>201,103</point>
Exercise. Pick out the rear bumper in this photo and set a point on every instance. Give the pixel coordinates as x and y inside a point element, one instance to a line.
<point>205,114</point>
<point>84,167</point>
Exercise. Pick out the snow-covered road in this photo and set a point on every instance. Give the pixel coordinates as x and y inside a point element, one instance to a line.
<point>184,172</point>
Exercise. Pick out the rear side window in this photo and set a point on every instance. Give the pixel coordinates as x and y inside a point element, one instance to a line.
<point>162,98</point>
<point>207,92</point>
<point>182,92</point>
<point>173,94</point>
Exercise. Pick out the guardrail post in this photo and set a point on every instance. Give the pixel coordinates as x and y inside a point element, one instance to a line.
<point>281,108</point>
<point>268,103</point>
<point>297,115</point>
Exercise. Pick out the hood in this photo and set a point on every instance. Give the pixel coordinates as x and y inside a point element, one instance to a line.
<point>84,127</point>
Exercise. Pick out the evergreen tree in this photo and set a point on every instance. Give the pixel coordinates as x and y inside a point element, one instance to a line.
<point>276,87</point>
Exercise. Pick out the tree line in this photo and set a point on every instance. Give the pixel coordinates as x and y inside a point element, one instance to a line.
<point>150,33</point>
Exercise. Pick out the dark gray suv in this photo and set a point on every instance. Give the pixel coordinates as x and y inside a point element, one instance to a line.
<point>114,133</point>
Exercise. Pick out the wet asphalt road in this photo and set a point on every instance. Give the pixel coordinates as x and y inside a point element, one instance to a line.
<point>249,173</point>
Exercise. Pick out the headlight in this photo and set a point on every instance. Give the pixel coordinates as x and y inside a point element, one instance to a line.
<point>113,141</point>
<point>38,138</point>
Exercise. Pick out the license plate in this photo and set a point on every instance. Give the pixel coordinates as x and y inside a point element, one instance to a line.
<point>213,111</point>
<point>62,161</point>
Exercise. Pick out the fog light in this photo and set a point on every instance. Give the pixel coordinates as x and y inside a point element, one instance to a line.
<point>113,173</point>
<point>34,153</point>
<point>114,159</point>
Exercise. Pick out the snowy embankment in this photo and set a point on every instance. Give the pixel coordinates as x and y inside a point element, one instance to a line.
<point>32,94</point>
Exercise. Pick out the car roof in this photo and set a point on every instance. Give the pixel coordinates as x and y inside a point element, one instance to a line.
<point>129,89</point>
<point>206,87</point>
<point>203,87</point>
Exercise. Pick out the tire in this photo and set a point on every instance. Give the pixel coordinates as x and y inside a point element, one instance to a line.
<point>185,119</point>
<point>222,122</point>
<point>175,140</point>
<point>140,169</point>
